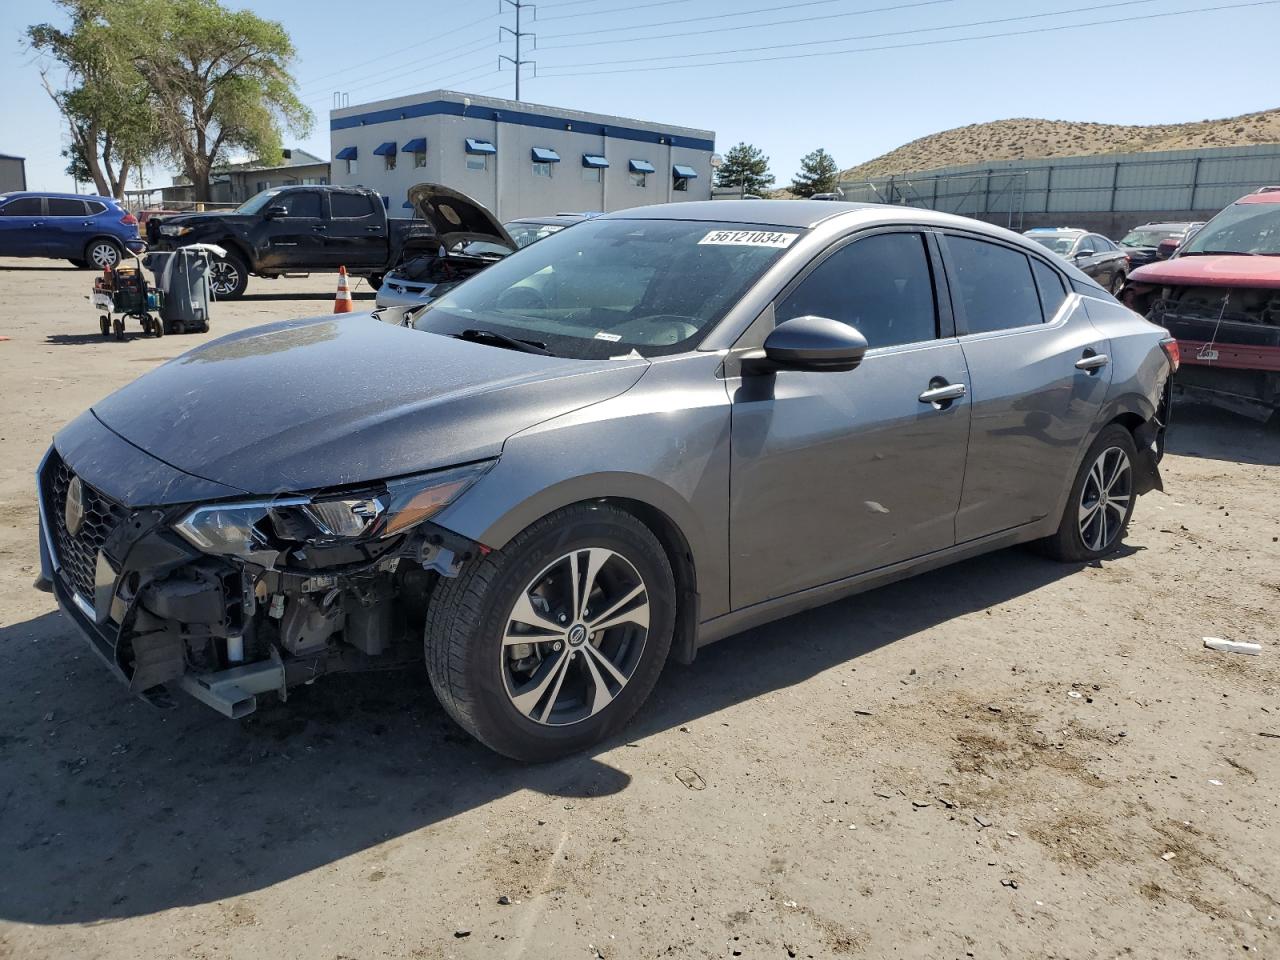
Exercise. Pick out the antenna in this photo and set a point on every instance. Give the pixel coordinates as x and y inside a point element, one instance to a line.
<point>518,60</point>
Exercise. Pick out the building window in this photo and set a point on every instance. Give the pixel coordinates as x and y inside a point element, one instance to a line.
<point>477,161</point>
<point>420,158</point>
<point>680,183</point>
<point>639,171</point>
<point>591,174</point>
<point>681,175</point>
<point>541,169</point>
<point>638,178</point>
<point>353,166</point>
<point>390,161</point>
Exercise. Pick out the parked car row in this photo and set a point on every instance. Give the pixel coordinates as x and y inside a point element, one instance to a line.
<point>598,453</point>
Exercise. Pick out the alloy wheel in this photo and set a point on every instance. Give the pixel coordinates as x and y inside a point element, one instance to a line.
<point>574,637</point>
<point>1105,499</point>
<point>104,255</point>
<point>223,278</point>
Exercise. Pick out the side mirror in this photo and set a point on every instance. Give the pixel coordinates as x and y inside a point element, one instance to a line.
<point>277,210</point>
<point>808,343</point>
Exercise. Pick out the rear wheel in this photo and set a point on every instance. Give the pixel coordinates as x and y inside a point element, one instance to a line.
<point>1101,501</point>
<point>104,324</point>
<point>228,277</point>
<point>103,253</point>
<point>1118,284</point>
<point>553,642</point>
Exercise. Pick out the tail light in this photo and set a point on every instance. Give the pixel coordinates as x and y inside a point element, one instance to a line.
<point>129,220</point>
<point>1170,347</point>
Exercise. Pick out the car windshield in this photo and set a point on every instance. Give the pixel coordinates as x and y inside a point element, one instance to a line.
<point>1149,238</point>
<point>256,202</point>
<point>1242,228</point>
<point>1057,242</point>
<point>610,288</point>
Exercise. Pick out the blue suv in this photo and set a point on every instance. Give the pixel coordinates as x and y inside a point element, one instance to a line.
<point>91,232</point>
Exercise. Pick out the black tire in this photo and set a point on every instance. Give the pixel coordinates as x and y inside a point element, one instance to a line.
<point>104,324</point>
<point>468,616</point>
<point>1118,284</point>
<point>374,280</point>
<point>157,328</point>
<point>228,277</point>
<point>1069,544</point>
<point>117,326</point>
<point>102,252</point>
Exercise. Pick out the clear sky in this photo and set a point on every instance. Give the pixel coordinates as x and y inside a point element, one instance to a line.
<point>856,102</point>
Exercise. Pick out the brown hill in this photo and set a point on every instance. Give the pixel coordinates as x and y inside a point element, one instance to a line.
<point>1026,139</point>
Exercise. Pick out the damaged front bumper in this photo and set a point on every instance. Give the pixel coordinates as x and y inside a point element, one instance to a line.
<point>163,614</point>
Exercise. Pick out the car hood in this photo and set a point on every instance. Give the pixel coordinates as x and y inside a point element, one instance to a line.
<point>456,217</point>
<point>1212,271</point>
<point>306,404</point>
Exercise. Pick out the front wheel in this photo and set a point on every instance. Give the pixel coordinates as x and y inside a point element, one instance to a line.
<point>228,277</point>
<point>1118,284</point>
<point>1101,501</point>
<point>553,642</point>
<point>374,280</point>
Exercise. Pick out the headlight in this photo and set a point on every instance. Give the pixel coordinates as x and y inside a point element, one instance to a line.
<point>175,231</point>
<point>248,528</point>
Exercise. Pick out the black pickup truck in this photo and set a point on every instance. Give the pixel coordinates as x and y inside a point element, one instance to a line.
<point>303,229</point>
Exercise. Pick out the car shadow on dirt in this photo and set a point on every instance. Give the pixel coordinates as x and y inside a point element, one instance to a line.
<point>1202,431</point>
<point>114,809</point>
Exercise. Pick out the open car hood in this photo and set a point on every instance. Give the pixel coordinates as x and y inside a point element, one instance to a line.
<point>1212,271</point>
<point>456,217</point>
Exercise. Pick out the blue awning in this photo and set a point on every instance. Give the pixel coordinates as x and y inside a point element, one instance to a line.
<point>685,173</point>
<point>545,155</point>
<point>641,166</point>
<point>385,149</point>
<point>415,146</point>
<point>594,161</point>
<point>346,153</point>
<point>480,146</point>
<point>407,205</point>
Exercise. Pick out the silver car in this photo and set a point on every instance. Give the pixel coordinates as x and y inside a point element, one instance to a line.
<point>633,438</point>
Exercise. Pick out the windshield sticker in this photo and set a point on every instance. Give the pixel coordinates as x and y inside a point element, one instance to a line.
<point>749,238</point>
<point>609,337</point>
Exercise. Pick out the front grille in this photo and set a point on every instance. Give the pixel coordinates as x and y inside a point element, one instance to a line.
<point>78,554</point>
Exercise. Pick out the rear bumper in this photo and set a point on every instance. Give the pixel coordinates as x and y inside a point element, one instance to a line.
<point>136,246</point>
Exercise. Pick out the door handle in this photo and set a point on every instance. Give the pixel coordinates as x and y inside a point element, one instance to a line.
<point>373,229</point>
<point>1092,362</point>
<point>943,393</point>
<point>317,229</point>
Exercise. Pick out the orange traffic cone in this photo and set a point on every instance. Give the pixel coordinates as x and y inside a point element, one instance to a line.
<point>342,303</point>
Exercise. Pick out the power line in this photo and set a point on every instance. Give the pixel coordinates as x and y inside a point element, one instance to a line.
<point>929,43</point>
<point>389,53</point>
<point>714,16</point>
<point>626,9</point>
<point>476,45</point>
<point>872,36</point>
<point>748,26</point>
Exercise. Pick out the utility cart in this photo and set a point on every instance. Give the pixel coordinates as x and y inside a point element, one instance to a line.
<point>124,292</point>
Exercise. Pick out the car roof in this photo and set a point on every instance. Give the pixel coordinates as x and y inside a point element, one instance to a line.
<point>1170,225</point>
<point>58,196</point>
<point>774,213</point>
<point>1055,232</point>
<point>559,219</point>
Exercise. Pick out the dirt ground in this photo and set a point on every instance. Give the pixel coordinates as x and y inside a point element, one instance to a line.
<point>1008,758</point>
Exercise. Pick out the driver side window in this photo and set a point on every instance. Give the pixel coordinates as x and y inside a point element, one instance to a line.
<point>881,285</point>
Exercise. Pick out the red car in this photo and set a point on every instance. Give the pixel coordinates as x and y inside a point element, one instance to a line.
<point>1220,296</point>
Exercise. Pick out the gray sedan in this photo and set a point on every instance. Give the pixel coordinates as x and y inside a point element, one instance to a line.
<point>626,441</point>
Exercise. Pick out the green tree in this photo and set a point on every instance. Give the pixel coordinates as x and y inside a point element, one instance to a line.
<point>219,81</point>
<point>818,174</point>
<point>747,168</point>
<point>104,99</point>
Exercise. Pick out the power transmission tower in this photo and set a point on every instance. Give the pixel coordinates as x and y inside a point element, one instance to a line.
<point>518,61</point>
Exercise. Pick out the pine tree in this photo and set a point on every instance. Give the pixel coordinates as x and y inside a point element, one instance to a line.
<point>818,174</point>
<point>746,168</point>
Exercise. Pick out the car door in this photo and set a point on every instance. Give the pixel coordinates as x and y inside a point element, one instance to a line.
<point>295,237</point>
<point>1085,256</point>
<point>355,234</point>
<point>67,225</point>
<point>834,474</point>
<point>1109,260</point>
<point>22,232</point>
<point>1038,374</point>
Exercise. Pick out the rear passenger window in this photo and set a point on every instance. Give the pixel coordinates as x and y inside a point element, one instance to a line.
<point>349,205</point>
<point>1050,287</point>
<point>994,285</point>
<point>62,207</point>
<point>94,207</point>
<point>880,284</point>
<point>22,207</point>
